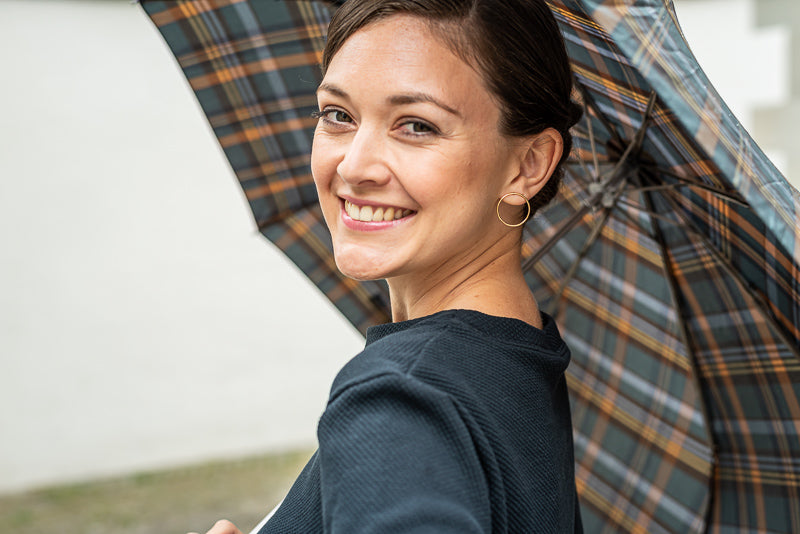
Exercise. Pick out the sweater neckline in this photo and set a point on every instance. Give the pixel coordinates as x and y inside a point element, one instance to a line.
<point>501,329</point>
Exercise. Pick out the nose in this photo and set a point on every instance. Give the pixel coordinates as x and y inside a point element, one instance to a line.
<point>364,162</point>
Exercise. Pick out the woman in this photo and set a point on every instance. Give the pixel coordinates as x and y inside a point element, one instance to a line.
<point>442,128</point>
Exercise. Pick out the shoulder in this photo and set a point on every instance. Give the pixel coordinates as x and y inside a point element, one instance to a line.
<point>394,357</point>
<point>412,374</point>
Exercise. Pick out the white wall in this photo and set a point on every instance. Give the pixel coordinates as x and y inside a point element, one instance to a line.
<point>748,65</point>
<point>143,319</point>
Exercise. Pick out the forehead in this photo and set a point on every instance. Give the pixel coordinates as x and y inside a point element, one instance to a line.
<point>402,52</point>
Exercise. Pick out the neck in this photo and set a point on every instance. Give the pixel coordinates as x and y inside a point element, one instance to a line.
<point>491,282</point>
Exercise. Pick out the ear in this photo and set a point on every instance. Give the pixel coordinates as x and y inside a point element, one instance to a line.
<point>541,154</point>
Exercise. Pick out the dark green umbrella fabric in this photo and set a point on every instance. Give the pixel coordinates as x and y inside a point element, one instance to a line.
<point>683,314</point>
<point>670,259</point>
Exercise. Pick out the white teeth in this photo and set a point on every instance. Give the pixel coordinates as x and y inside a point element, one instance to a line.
<point>374,214</point>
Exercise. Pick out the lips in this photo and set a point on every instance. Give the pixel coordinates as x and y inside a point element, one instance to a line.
<point>368,213</point>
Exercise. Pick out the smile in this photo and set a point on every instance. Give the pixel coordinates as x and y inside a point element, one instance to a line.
<point>367,213</point>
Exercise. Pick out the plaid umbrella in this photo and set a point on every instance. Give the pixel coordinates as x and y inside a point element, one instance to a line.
<point>670,260</point>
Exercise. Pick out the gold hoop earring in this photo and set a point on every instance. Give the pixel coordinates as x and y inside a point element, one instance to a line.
<point>527,204</point>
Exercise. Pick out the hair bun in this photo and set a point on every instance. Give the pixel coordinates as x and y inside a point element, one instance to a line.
<point>575,113</point>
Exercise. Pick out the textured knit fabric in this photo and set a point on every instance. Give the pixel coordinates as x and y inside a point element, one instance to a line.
<point>454,423</point>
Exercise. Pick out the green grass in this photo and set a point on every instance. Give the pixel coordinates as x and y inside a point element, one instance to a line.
<point>165,502</point>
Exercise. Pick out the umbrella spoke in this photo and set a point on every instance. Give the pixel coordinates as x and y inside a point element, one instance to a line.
<point>648,115</point>
<point>579,130</point>
<point>719,193</point>
<point>564,229</point>
<point>587,245</point>
<point>592,144</point>
<point>580,177</point>
<point>627,216</point>
<point>588,101</point>
<point>635,145</point>
<point>688,182</point>
<point>650,213</point>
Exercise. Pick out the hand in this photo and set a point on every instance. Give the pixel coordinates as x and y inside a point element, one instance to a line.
<point>223,526</point>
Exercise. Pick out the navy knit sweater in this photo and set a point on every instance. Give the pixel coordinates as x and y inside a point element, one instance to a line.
<point>453,423</point>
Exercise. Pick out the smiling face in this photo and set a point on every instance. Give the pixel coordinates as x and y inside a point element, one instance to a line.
<point>407,157</point>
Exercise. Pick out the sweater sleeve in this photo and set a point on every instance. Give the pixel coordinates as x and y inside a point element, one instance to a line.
<point>396,456</point>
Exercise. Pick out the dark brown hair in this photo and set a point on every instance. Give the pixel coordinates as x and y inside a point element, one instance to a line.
<point>514,44</point>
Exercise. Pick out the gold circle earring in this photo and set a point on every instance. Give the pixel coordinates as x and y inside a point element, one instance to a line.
<point>527,204</point>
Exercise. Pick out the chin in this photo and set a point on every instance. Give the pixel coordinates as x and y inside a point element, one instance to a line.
<point>361,273</point>
<point>358,265</point>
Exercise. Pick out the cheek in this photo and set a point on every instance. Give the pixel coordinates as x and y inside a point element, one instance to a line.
<point>467,175</point>
<point>319,161</point>
<point>323,166</point>
<point>323,170</point>
<point>434,176</point>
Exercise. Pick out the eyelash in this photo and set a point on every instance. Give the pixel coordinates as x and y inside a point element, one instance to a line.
<point>325,112</point>
<point>322,114</point>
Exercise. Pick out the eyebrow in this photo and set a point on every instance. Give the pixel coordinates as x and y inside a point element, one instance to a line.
<point>408,98</point>
<point>330,88</point>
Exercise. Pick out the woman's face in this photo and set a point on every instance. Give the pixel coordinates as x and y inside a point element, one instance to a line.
<point>407,157</point>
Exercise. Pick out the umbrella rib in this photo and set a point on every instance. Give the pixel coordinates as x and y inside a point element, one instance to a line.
<point>568,225</point>
<point>731,271</point>
<point>711,189</point>
<point>653,214</point>
<point>636,143</point>
<point>579,177</point>
<point>587,245</point>
<point>726,195</point>
<point>630,218</point>
<point>592,145</point>
<point>588,101</point>
<point>648,115</point>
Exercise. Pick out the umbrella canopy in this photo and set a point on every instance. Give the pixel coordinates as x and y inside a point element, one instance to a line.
<point>670,260</point>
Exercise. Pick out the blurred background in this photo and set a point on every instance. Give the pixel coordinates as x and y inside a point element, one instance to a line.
<point>156,361</point>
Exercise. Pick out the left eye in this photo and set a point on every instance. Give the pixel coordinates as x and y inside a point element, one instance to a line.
<point>337,115</point>
<point>417,127</point>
